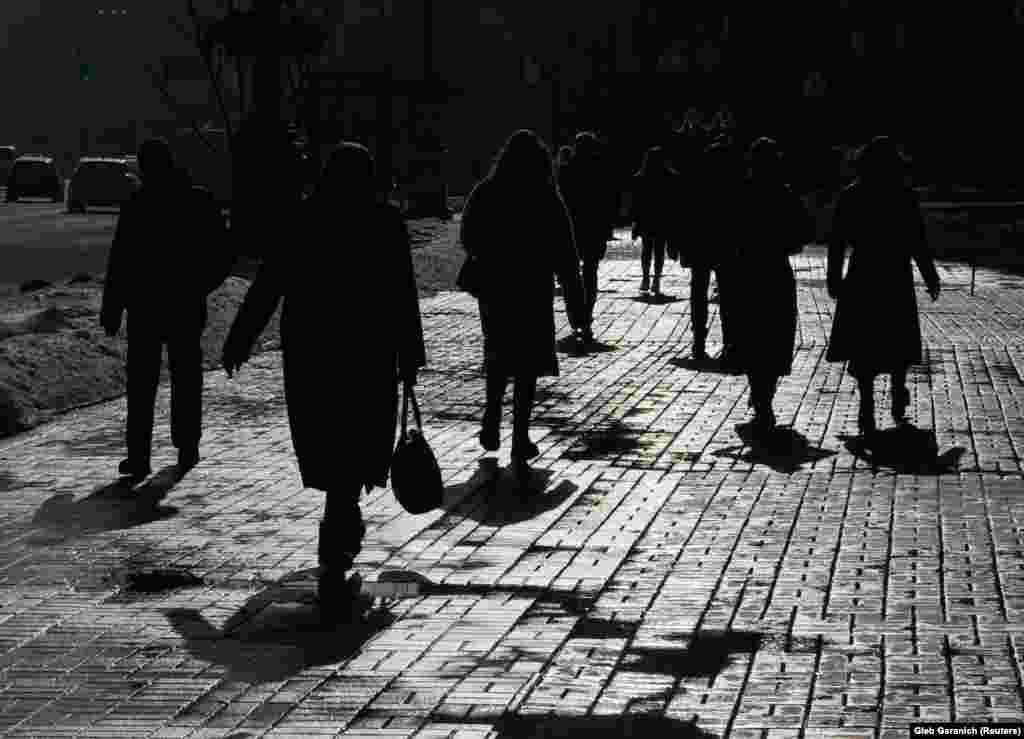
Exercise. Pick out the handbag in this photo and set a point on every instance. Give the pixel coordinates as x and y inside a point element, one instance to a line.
<point>415,474</point>
<point>469,277</point>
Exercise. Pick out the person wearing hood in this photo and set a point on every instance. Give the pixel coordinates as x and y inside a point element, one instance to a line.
<point>342,419</point>
<point>876,329</point>
<point>169,252</point>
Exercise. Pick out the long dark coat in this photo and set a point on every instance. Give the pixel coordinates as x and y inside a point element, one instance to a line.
<point>775,225</point>
<point>592,199</point>
<point>655,202</point>
<point>876,326</point>
<point>347,338</point>
<point>521,239</point>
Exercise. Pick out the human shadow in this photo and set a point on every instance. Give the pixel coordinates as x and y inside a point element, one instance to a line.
<point>706,364</point>
<point>905,449</point>
<point>782,449</point>
<point>572,346</point>
<point>499,497</point>
<point>113,506</point>
<point>610,440</point>
<point>659,299</point>
<point>279,632</point>
<point>705,653</point>
<point>546,726</point>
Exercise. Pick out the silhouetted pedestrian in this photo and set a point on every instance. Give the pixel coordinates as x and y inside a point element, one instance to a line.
<point>655,193</point>
<point>592,198</point>
<point>342,417</point>
<point>563,158</point>
<point>713,233</point>
<point>169,252</point>
<point>775,226</point>
<point>876,327</point>
<point>516,257</point>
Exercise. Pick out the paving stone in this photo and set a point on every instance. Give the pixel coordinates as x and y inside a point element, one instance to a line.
<point>662,569</point>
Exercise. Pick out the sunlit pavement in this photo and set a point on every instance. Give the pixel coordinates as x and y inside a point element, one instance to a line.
<point>660,572</point>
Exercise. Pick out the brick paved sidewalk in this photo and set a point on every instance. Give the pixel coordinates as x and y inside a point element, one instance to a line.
<point>665,577</point>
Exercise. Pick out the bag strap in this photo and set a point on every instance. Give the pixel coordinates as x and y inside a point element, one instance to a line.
<point>409,394</point>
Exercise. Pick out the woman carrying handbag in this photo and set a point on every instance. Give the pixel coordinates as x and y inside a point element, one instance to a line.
<point>342,419</point>
<point>517,233</point>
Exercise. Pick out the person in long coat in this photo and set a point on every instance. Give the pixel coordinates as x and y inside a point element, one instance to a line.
<point>591,197</point>
<point>342,416</point>
<point>655,188</point>
<point>776,226</point>
<point>876,327</point>
<point>516,226</point>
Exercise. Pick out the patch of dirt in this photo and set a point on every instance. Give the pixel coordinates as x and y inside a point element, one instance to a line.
<point>54,356</point>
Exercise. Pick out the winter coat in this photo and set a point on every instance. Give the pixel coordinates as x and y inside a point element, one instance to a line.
<point>592,200</point>
<point>655,203</point>
<point>170,250</point>
<point>775,225</point>
<point>345,345</point>
<point>876,326</point>
<point>521,240</point>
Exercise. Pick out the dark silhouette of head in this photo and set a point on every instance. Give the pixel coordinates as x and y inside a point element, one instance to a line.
<point>655,161</point>
<point>586,144</point>
<point>881,161</point>
<point>350,172</point>
<point>765,159</point>
<point>524,159</point>
<point>565,154</point>
<point>156,161</point>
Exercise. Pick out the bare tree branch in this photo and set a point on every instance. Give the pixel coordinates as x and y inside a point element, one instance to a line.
<point>212,69</point>
<point>161,82</point>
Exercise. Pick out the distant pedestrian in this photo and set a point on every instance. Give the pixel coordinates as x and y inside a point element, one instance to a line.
<point>342,416</point>
<point>564,157</point>
<point>169,252</point>
<point>592,199</point>
<point>876,327</point>
<point>516,258</point>
<point>775,225</point>
<point>655,190</point>
<point>713,231</point>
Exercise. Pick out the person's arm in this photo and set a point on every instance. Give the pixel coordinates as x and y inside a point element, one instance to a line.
<point>259,304</point>
<point>567,262</point>
<point>837,240</point>
<point>923,256</point>
<point>217,246</point>
<point>411,350</point>
<point>115,298</point>
<point>471,216</point>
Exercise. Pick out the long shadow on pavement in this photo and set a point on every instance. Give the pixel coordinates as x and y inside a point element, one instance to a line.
<point>108,508</point>
<point>278,632</point>
<point>657,299</point>
<point>905,449</point>
<point>496,497</point>
<point>703,365</point>
<point>783,449</point>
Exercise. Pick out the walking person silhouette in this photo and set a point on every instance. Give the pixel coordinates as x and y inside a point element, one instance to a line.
<point>654,193</point>
<point>876,327</point>
<point>516,258</point>
<point>591,199</point>
<point>342,421</point>
<point>169,252</point>
<point>776,226</point>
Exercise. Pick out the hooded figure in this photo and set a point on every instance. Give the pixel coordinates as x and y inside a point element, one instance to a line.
<point>342,420</point>
<point>169,252</point>
<point>876,327</point>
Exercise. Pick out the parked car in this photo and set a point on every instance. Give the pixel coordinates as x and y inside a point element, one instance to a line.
<point>33,175</point>
<point>7,156</point>
<point>101,181</point>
